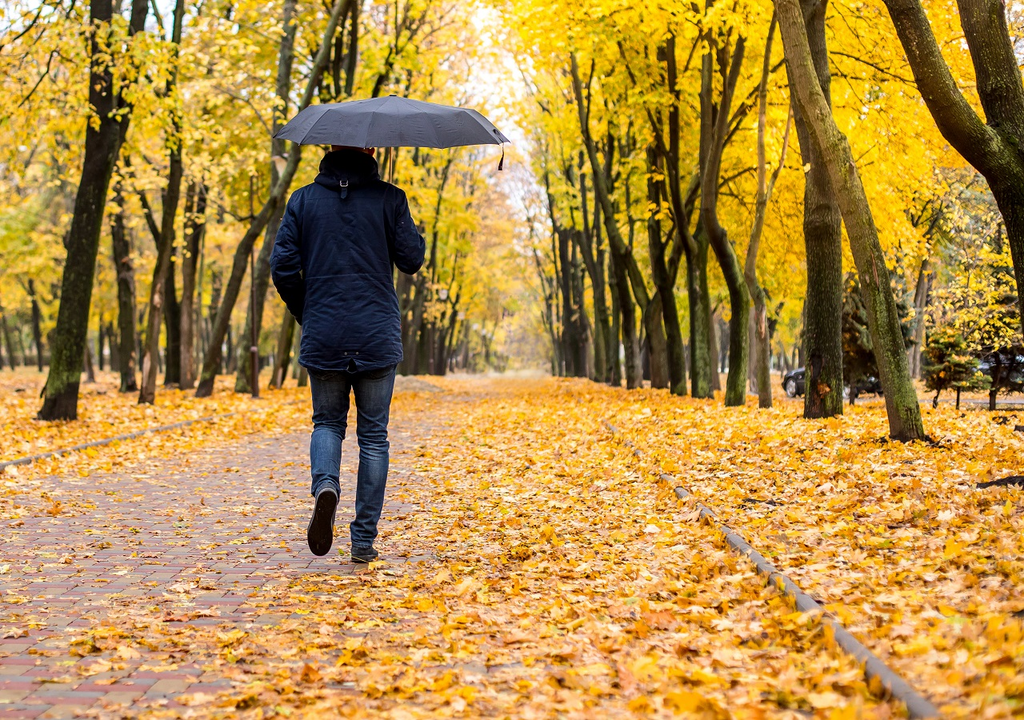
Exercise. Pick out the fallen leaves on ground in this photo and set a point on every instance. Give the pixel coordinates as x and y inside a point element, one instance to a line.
<point>536,568</point>
<point>105,413</point>
<point>895,539</point>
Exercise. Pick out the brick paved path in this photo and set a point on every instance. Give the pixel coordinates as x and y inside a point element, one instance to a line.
<point>196,540</point>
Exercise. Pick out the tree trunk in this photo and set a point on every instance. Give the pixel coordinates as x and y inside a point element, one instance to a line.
<point>714,133</point>
<point>22,352</point>
<point>172,323</point>
<point>7,338</point>
<point>604,318</point>
<point>102,144</point>
<point>352,57</point>
<point>37,334</point>
<point>901,403</point>
<point>823,236</point>
<point>630,340</point>
<point>238,267</point>
<point>114,343</point>
<point>657,345</point>
<point>664,282</point>
<point>303,374</point>
<point>195,235</point>
<point>570,313</point>
<point>99,347</point>
<point>714,351</point>
<point>161,292</point>
<point>243,376</point>
<point>653,315</point>
<point>593,259</point>
<point>582,334</point>
<point>616,325</point>
<point>216,288</point>
<point>230,350</point>
<point>155,315</point>
<point>90,371</point>
<point>549,288</point>
<point>283,355</point>
<point>703,356</point>
<point>921,291</point>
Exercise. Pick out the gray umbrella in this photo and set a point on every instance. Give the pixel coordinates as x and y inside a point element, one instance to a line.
<point>390,122</point>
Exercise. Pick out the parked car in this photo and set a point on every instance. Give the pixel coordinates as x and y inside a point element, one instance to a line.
<point>870,384</point>
<point>793,382</point>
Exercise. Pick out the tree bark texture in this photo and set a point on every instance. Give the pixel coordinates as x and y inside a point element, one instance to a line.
<point>7,339</point>
<point>102,144</point>
<point>90,371</point>
<point>714,343</point>
<point>823,237</point>
<point>37,326</point>
<point>589,242</point>
<point>172,322</point>
<point>194,238</point>
<point>616,324</point>
<point>573,340</point>
<point>902,408</point>
<point>283,354</point>
<point>121,243</point>
<point>664,281</point>
<point>921,293</point>
<point>703,369</point>
<point>99,347</point>
<point>243,376</point>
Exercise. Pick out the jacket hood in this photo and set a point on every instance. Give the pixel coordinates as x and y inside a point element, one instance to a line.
<point>347,168</point>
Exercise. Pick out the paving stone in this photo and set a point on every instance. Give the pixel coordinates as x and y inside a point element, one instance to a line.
<point>11,695</point>
<point>15,713</point>
<point>16,685</point>
<point>62,712</point>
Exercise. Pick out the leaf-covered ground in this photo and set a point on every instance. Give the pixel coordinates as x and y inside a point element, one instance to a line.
<point>534,567</point>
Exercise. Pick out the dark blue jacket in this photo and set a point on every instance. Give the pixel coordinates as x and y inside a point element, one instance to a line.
<point>333,264</point>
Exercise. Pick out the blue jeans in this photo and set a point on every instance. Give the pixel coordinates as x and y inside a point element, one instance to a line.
<point>373,390</point>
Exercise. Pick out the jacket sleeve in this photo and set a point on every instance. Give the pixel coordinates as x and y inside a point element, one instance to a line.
<point>286,260</point>
<point>407,245</point>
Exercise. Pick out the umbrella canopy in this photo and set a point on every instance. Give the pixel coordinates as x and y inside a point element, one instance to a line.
<point>390,122</point>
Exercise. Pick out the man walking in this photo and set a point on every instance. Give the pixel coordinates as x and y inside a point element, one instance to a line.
<point>333,264</point>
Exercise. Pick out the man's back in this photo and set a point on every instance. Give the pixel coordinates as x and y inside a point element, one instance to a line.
<point>333,264</point>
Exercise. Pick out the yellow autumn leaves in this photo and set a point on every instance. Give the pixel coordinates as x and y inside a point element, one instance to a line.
<point>535,567</point>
